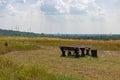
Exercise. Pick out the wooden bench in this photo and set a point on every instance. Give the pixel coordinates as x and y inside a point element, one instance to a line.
<point>76,50</point>
<point>84,49</point>
<point>69,49</point>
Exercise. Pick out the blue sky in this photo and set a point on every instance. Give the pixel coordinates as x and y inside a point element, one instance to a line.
<point>61,16</point>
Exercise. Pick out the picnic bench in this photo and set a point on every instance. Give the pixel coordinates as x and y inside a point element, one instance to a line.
<point>84,50</point>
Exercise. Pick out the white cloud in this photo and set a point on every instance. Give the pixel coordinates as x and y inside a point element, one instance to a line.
<point>37,4</point>
<point>24,1</point>
<point>11,8</point>
<point>64,6</point>
<point>67,7</point>
<point>64,16</point>
<point>54,6</point>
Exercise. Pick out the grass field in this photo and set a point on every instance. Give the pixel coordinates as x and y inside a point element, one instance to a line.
<point>39,59</point>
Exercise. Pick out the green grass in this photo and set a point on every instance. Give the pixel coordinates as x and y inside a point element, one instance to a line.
<point>22,43</point>
<point>39,59</point>
<point>12,71</point>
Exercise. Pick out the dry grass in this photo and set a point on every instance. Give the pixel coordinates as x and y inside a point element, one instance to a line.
<point>45,52</point>
<point>105,67</point>
<point>22,43</point>
<point>9,70</point>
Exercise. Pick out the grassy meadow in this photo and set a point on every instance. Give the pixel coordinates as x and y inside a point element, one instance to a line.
<point>39,59</point>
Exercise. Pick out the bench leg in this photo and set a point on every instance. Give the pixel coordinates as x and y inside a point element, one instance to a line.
<point>76,52</point>
<point>69,53</point>
<point>94,53</point>
<point>88,52</point>
<point>63,54</point>
<point>77,55</point>
<point>83,52</point>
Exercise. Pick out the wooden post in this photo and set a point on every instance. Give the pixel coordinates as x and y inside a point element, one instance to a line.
<point>94,53</point>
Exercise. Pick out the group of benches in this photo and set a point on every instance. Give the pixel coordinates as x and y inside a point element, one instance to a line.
<point>77,51</point>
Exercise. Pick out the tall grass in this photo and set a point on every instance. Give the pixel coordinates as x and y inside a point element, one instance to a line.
<point>106,66</point>
<point>22,43</point>
<point>16,44</point>
<point>12,71</point>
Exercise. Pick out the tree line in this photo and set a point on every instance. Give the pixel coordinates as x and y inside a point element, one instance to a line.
<point>64,36</point>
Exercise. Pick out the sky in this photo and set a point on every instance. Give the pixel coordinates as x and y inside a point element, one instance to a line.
<point>61,16</point>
